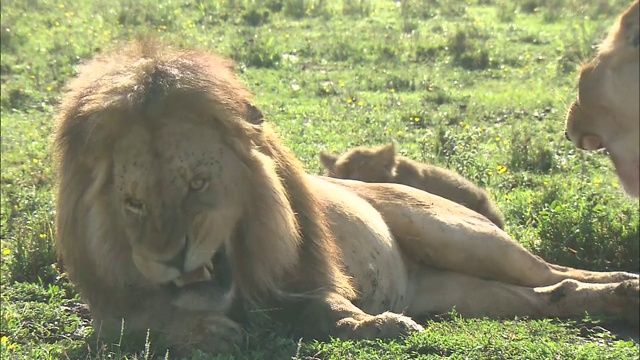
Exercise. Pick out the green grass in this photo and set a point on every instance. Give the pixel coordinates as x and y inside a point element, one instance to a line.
<point>479,86</point>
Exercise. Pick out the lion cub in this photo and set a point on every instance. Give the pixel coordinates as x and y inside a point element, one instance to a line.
<point>382,165</point>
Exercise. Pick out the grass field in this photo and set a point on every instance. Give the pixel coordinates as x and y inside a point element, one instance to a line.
<point>479,86</point>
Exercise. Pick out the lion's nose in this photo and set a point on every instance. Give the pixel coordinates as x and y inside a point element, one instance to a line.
<point>591,142</point>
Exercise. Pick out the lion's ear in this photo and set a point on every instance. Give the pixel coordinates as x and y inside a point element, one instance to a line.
<point>387,155</point>
<point>328,161</point>
<point>630,25</point>
<point>254,115</point>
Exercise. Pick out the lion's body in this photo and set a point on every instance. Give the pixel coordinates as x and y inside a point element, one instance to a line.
<point>607,111</point>
<point>383,165</point>
<point>165,167</point>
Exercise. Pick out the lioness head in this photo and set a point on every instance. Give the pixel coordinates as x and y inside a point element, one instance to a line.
<point>606,114</point>
<point>362,163</point>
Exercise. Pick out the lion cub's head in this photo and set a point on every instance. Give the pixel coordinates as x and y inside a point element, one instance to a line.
<point>362,163</point>
<point>606,113</point>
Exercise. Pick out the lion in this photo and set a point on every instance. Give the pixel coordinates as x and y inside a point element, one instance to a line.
<point>606,114</point>
<point>382,165</point>
<point>173,187</point>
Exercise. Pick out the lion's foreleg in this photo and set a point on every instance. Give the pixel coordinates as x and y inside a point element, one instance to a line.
<point>335,316</point>
<point>438,291</point>
<point>175,327</point>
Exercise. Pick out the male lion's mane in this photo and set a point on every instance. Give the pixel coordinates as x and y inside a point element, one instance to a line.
<point>138,83</point>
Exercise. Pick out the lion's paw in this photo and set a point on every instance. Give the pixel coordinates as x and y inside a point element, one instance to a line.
<point>620,276</point>
<point>387,325</point>
<point>211,333</point>
<point>628,292</point>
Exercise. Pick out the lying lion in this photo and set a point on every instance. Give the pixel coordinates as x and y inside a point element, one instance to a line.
<point>167,170</point>
<point>381,164</point>
<point>606,114</point>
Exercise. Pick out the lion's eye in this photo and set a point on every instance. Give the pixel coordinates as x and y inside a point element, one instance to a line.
<point>198,184</point>
<point>134,205</point>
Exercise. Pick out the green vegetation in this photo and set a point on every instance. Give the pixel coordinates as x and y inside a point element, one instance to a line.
<point>479,86</point>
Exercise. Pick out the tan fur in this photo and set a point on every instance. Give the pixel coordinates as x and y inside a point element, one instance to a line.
<point>382,164</point>
<point>606,113</point>
<point>166,167</point>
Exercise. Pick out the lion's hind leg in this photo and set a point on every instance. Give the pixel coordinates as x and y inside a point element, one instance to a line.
<point>439,291</point>
<point>436,232</point>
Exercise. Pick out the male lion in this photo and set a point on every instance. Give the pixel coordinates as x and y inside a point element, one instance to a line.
<point>606,113</point>
<point>166,169</point>
<point>382,165</point>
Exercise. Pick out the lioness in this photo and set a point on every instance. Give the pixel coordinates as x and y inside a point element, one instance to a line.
<point>606,114</point>
<point>381,164</point>
<point>167,169</point>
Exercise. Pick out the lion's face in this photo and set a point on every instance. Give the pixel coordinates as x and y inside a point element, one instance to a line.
<point>364,164</point>
<point>178,191</point>
<point>606,113</point>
